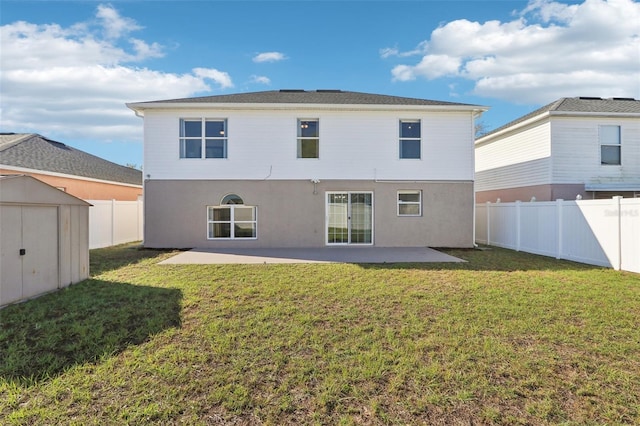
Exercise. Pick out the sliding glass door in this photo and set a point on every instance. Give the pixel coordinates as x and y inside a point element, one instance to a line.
<point>349,217</point>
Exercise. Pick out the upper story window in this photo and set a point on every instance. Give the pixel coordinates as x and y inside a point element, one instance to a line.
<point>203,137</point>
<point>409,203</point>
<point>410,139</point>
<point>232,219</point>
<point>308,141</point>
<point>610,145</point>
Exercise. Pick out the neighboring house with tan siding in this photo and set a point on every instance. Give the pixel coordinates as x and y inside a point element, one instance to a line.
<point>587,147</point>
<point>76,172</point>
<point>296,168</point>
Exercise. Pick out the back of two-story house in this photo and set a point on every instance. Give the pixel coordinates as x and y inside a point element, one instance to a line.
<point>586,147</point>
<point>295,168</point>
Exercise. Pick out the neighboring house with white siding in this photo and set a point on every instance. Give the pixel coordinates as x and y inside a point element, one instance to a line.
<point>296,168</point>
<point>584,146</point>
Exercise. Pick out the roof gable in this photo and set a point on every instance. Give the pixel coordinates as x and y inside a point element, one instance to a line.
<point>32,151</point>
<point>22,189</point>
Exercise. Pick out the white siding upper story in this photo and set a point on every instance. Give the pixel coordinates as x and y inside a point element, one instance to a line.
<point>576,150</point>
<point>557,150</point>
<point>518,159</point>
<point>353,145</point>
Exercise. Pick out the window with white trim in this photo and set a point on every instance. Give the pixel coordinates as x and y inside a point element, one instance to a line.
<point>308,140</point>
<point>232,220</point>
<point>410,139</point>
<point>410,203</point>
<point>203,138</point>
<point>610,146</point>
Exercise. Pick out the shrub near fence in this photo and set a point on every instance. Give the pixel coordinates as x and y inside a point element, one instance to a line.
<point>597,232</point>
<point>114,222</point>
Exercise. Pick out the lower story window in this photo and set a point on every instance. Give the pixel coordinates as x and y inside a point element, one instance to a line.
<point>232,222</point>
<point>409,203</point>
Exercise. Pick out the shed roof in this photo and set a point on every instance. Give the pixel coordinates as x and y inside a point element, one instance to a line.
<point>33,151</point>
<point>299,96</point>
<point>23,189</point>
<point>582,104</point>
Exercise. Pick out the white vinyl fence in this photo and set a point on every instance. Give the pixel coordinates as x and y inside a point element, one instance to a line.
<point>114,222</point>
<point>597,232</point>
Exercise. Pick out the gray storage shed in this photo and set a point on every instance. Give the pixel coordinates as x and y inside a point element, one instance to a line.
<point>44,238</point>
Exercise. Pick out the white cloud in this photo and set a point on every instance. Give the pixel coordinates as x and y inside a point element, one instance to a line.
<point>420,49</point>
<point>550,10</point>
<point>551,50</point>
<point>144,50</point>
<point>220,77</point>
<point>75,81</point>
<point>260,79</point>
<point>269,57</point>
<point>431,66</point>
<point>114,25</point>
<point>389,51</point>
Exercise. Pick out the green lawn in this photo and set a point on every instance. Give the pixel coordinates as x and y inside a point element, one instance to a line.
<point>507,338</point>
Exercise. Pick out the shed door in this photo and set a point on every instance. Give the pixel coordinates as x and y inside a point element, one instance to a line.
<point>10,263</point>
<point>34,230</point>
<point>40,241</point>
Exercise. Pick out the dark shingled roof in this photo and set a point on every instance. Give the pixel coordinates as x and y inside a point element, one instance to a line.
<point>580,105</point>
<point>293,96</point>
<point>32,151</point>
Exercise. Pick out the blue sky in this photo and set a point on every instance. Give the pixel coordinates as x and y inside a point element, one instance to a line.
<point>69,67</point>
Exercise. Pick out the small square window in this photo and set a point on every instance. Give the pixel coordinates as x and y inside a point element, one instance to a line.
<point>191,128</point>
<point>409,148</point>
<point>190,148</point>
<point>610,155</point>
<point>216,148</point>
<point>308,148</point>
<point>409,203</point>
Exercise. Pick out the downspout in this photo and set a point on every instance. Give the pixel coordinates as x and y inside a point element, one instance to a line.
<point>145,178</point>
<point>474,114</point>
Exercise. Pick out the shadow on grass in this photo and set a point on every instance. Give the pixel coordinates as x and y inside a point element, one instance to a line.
<point>41,338</point>
<point>111,258</point>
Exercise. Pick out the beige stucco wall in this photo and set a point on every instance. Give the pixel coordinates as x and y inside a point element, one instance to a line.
<point>291,215</point>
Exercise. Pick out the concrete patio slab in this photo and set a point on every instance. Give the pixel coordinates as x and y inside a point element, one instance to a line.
<point>311,255</point>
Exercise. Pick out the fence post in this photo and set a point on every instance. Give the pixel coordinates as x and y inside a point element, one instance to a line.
<point>616,201</point>
<point>518,231</point>
<point>559,204</point>
<point>139,219</point>
<point>488,223</point>
<point>113,222</point>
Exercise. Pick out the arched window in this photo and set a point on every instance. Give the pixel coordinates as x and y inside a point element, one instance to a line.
<point>231,199</point>
<point>232,219</point>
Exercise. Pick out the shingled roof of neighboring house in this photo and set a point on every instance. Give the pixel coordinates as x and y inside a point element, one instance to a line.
<point>295,96</point>
<point>32,151</point>
<point>581,104</point>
